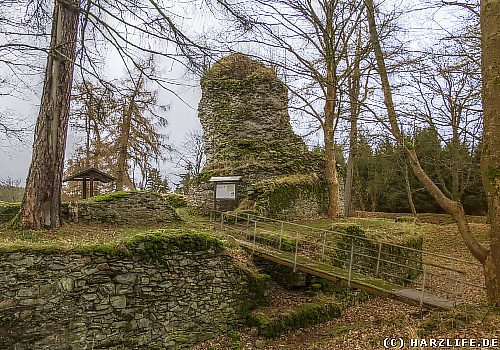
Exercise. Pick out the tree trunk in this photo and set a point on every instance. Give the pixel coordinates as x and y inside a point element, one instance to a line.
<point>122,147</point>
<point>42,197</point>
<point>490,159</point>
<point>408,190</point>
<point>489,260</point>
<point>354,87</point>
<point>123,141</point>
<point>350,171</point>
<point>330,159</point>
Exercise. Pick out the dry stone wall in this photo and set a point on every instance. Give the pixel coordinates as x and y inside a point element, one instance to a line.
<point>122,208</point>
<point>157,294</point>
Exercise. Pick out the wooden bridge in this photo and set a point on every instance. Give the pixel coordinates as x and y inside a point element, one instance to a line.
<point>381,268</point>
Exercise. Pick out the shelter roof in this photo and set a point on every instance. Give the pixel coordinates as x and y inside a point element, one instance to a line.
<point>225,178</point>
<point>90,174</point>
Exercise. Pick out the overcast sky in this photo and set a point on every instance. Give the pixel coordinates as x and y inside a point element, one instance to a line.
<point>182,115</point>
<point>15,156</point>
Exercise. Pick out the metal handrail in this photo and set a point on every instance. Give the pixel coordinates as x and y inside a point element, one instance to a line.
<point>357,237</point>
<point>318,244</point>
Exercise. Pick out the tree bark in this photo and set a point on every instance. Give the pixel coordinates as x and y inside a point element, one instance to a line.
<point>350,169</point>
<point>453,208</point>
<point>330,159</point>
<point>408,190</point>
<point>354,89</point>
<point>490,158</point>
<point>123,141</point>
<point>42,198</point>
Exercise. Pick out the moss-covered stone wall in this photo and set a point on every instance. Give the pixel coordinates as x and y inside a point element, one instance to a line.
<point>288,197</point>
<point>161,290</point>
<point>397,264</point>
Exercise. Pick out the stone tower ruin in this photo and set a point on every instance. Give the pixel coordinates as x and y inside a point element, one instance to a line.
<point>247,132</point>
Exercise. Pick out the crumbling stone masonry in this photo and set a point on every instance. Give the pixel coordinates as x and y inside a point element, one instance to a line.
<point>160,292</point>
<point>247,132</point>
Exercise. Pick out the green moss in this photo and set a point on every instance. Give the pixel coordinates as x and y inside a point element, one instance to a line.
<point>175,200</point>
<point>367,251</point>
<point>256,291</point>
<point>111,196</point>
<point>151,243</point>
<point>273,240</point>
<point>309,314</point>
<point>411,219</point>
<point>493,173</point>
<point>272,197</point>
<point>8,211</point>
<point>238,67</point>
<point>181,239</point>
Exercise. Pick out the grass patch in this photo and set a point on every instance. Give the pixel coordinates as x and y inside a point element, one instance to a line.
<point>8,211</point>
<point>152,242</point>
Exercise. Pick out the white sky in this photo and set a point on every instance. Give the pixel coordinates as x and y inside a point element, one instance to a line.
<point>15,157</point>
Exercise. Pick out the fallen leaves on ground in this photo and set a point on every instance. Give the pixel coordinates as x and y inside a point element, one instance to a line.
<point>366,325</point>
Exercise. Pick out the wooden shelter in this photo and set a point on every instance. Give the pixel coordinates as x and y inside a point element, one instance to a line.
<point>89,175</point>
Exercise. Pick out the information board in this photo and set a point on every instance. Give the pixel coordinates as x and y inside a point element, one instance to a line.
<point>225,191</point>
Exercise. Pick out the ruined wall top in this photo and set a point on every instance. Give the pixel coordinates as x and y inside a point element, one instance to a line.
<point>244,114</point>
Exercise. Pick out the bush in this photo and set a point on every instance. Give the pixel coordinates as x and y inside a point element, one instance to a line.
<point>8,211</point>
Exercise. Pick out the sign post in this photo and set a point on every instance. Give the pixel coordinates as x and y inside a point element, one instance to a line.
<point>225,188</point>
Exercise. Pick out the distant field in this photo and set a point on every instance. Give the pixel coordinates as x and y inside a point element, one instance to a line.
<point>11,193</point>
<point>430,218</point>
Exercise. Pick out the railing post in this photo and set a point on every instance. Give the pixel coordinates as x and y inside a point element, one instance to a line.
<point>296,251</point>
<point>462,283</point>
<point>281,236</point>
<point>350,262</point>
<point>323,248</point>
<point>449,283</point>
<point>235,219</point>
<point>378,258</point>
<point>221,220</point>
<point>254,235</point>
<point>424,277</point>
<point>211,214</point>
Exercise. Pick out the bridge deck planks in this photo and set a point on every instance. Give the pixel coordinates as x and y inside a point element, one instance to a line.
<point>366,283</point>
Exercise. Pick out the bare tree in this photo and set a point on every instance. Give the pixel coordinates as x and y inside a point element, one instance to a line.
<point>190,158</point>
<point>490,162</point>
<point>314,45</point>
<point>449,102</point>
<point>10,189</point>
<point>358,93</point>
<point>481,253</point>
<point>122,127</point>
<point>77,32</point>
